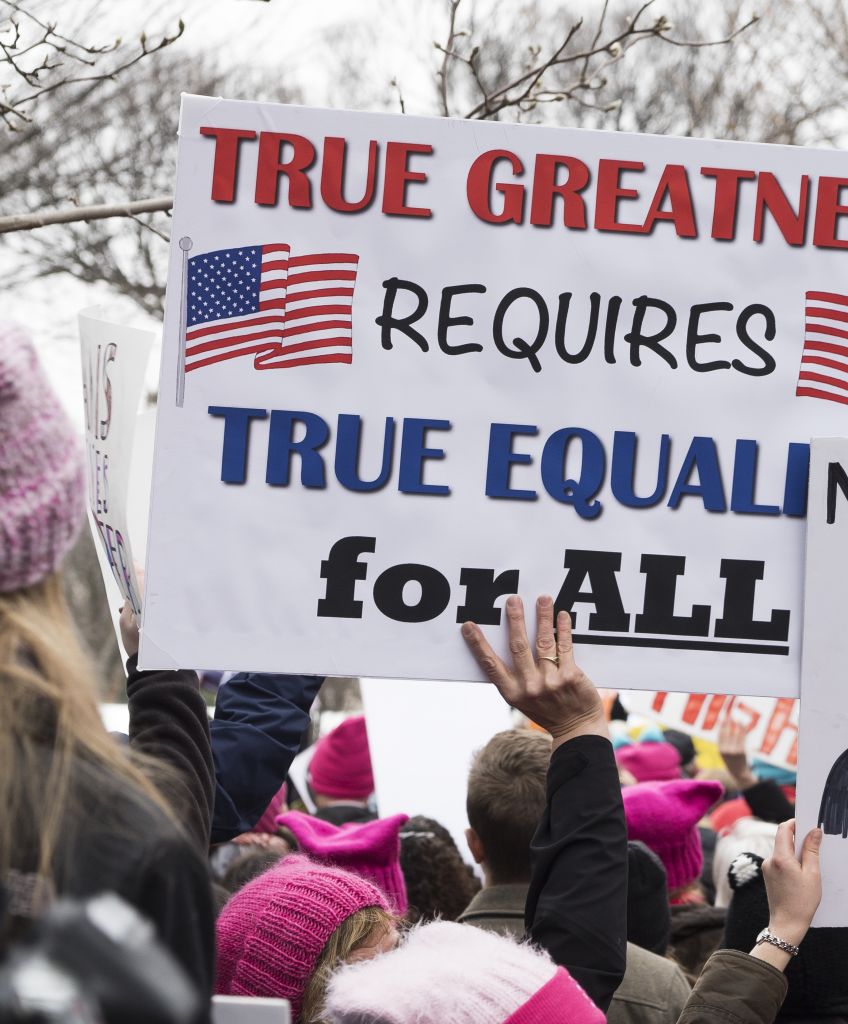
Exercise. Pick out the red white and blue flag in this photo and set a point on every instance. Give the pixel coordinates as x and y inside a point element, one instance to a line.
<point>260,301</point>
<point>824,360</point>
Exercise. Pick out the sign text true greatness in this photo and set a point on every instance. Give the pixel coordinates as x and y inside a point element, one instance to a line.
<point>562,192</point>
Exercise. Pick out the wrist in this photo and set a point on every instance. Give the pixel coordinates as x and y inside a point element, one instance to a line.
<point>790,931</point>
<point>592,725</point>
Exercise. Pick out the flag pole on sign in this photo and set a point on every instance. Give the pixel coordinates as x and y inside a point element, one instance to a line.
<point>185,244</point>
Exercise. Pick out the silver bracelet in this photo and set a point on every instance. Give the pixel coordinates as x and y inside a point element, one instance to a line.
<point>787,947</point>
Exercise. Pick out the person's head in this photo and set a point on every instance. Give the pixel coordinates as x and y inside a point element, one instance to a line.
<point>664,816</point>
<point>648,913</point>
<point>748,835</point>
<point>451,972</point>
<point>650,761</point>
<point>253,862</point>
<point>340,769</point>
<point>816,976</point>
<point>685,747</point>
<point>285,932</point>
<point>439,884</point>
<point>49,719</point>
<point>506,799</point>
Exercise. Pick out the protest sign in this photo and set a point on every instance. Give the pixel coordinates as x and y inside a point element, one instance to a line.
<point>413,365</point>
<point>823,760</point>
<point>114,357</point>
<point>770,724</point>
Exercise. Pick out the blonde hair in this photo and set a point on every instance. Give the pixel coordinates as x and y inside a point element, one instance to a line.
<point>350,935</point>
<point>48,706</point>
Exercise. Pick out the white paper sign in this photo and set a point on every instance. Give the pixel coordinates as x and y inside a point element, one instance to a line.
<point>114,358</point>
<point>771,724</point>
<point>823,761</point>
<point>413,365</point>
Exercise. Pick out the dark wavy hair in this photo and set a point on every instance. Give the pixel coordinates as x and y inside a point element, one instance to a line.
<point>439,883</point>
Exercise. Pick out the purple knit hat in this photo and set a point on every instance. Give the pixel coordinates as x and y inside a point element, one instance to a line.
<point>272,932</point>
<point>664,816</point>
<point>370,849</point>
<point>341,764</point>
<point>42,475</point>
<point>649,761</point>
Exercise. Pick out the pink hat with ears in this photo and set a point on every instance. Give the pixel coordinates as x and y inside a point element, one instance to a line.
<point>665,815</point>
<point>341,764</point>
<point>650,761</point>
<point>370,849</point>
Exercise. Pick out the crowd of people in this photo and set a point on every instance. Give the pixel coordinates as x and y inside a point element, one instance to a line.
<point>610,877</point>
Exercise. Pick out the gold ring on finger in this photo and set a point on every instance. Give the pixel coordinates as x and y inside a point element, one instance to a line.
<point>544,657</point>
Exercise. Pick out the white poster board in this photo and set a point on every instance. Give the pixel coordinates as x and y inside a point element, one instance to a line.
<point>823,776</point>
<point>114,359</point>
<point>413,365</point>
<point>770,724</point>
<point>422,736</point>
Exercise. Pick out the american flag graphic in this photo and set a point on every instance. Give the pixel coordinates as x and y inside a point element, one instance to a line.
<point>824,360</point>
<point>260,301</point>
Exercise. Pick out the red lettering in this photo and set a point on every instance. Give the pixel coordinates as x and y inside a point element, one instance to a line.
<point>398,176</point>
<point>828,211</point>
<point>271,166</point>
<point>333,175</point>
<point>659,700</point>
<point>610,191</point>
<point>693,708</point>
<point>726,199</point>
<point>674,184</point>
<point>479,188</point>
<point>713,711</point>
<point>771,197</point>
<point>225,167</point>
<point>546,187</point>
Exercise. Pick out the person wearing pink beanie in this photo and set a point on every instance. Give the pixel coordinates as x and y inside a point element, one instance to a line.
<point>369,849</point>
<point>665,817</point>
<point>283,934</point>
<point>650,761</point>
<point>340,774</point>
<point>448,972</point>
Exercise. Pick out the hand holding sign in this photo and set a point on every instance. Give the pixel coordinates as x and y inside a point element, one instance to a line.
<point>129,625</point>
<point>793,885</point>
<point>548,687</point>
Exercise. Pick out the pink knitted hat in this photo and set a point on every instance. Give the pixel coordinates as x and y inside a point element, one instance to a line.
<point>268,821</point>
<point>271,932</point>
<point>341,764</point>
<point>665,815</point>
<point>370,849</point>
<point>452,972</point>
<point>42,475</point>
<point>650,762</point>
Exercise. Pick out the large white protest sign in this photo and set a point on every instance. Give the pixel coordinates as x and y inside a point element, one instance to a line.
<point>770,723</point>
<point>823,750</point>
<point>114,358</point>
<point>412,365</point>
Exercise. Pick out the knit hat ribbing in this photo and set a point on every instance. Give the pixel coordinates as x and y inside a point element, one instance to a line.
<point>341,764</point>
<point>42,475</point>
<point>448,973</point>
<point>664,816</point>
<point>272,932</point>
<point>370,849</point>
<point>650,761</point>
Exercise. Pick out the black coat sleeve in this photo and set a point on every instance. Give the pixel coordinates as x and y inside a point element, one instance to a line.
<point>768,802</point>
<point>169,721</point>
<point>577,902</point>
<point>259,723</point>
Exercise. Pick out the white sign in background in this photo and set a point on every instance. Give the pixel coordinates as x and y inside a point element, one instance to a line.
<point>236,570</point>
<point>114,359</point>
<point>823,749</point>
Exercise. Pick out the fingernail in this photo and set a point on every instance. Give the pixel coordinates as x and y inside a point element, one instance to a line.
<point>513,601</point>
<point>545,600</point>
<point>467,629</point>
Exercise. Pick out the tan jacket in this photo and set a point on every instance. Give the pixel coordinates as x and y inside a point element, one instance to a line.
<point>735,988</point>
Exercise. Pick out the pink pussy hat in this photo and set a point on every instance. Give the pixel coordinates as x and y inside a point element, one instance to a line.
<point>341,764</point>
<point>370,849</point>
<point>272,932</point>
<point>452,972</point>
<point>649,761</point>
<point>665,815</point>
<point>42,473</point>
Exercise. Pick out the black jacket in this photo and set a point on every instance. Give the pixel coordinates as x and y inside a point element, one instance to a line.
<point>577,902</point>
